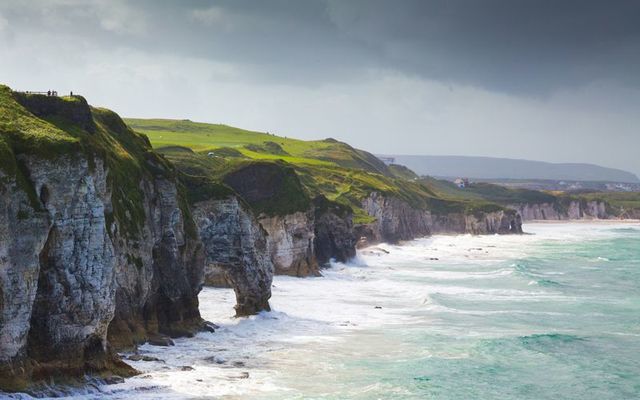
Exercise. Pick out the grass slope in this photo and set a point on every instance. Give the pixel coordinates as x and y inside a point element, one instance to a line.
<point>55,127</point>
<point>204,138</point>
<point>618,202</point>
<point>327,167</point>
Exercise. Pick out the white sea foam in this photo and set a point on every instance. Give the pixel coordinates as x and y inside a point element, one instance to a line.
<point>432,285</point>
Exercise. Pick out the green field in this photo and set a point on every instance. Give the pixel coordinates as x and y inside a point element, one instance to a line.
<point>334,169</point>
<point>205,138</point>
<point>325,167</point>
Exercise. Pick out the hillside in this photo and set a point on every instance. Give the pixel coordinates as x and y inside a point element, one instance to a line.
<point>624,204</point>
<point>230,141</point>
<point>504,168</point>
<point>326,167</point>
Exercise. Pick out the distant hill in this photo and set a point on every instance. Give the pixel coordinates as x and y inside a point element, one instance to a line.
<point>505,168</point>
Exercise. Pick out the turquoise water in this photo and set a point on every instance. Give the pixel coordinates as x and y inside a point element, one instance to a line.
<point>565,324</point>
<point>554,315</point>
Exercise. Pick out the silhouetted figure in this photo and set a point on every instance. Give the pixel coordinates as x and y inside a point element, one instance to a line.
<point>71,93</point>
<point>49,93</point>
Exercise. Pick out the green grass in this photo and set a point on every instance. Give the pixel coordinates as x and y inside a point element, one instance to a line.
<point>618,202</point>
<point>486,192</point>
<point>70,128</point>
<point>329,168</point>
<point>400,171</point>
<point>204,138</point>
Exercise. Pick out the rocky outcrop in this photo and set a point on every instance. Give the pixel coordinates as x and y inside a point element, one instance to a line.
<point>569,210</point>
<point>58,283</point>
<point>633,213</point>
<point>74,110</point>
<point>83,270</point>
<point>275,194</point>
<point>334,237</point>
<point>290,243</point>
<point>496,222</point>
<point>543,211</point>
<point>396,220</point>
<point>236,252</point>
<point>159,272</point>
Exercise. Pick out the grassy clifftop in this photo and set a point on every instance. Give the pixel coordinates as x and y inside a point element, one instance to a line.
<point>201,137</point>
<point>336,170</point>
<point>327,167</point>
<point>51,127</point>
<point>618,203</point>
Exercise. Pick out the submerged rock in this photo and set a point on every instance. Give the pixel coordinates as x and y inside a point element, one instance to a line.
<point>160,340</point>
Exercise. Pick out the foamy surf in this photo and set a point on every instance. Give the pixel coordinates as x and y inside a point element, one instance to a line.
<point>446,317</point>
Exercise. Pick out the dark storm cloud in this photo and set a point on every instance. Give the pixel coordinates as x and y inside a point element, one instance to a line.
<point>508,45</point>
<point>505,44</point>
<point>549,80</point>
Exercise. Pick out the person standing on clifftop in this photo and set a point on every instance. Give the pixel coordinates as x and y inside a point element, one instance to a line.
<point>49,93</point>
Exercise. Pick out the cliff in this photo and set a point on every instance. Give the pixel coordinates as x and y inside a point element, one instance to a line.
<point>290,243</point>
<point>105,244</point>
<point>314,199</point>
<point>396,220</point>
<point>334,235</point>
<point>236,252</point>
<point>97,247</point>
<point>563,210</point>
<point>284,210</point>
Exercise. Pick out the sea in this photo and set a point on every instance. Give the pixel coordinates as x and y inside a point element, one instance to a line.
<point>553,314</point>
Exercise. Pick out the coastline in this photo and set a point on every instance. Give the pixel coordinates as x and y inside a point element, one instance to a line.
<point>582,221</point>
<point>378,311</point>
<point>375,311</point>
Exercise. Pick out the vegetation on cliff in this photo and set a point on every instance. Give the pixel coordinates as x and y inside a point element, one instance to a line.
<point>51,127</point>
<point>87,169</point>
<point>617,203</point>
<point>330,168</point>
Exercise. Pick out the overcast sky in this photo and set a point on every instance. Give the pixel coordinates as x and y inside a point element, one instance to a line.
<point>554,80</point>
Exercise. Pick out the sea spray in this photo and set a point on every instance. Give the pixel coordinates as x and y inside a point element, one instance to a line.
<point>447,317</point>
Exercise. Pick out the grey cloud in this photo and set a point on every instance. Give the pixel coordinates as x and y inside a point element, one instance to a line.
<point>550,80</point>
<point>528,47</point>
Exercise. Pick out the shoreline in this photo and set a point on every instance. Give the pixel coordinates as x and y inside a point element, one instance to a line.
<point>582,221</point>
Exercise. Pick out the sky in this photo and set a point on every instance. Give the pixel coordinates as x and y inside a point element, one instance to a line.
<point>545,80</point>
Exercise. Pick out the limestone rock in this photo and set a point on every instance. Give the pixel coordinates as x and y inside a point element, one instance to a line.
<point>236,249</point>
<point>290,243</point>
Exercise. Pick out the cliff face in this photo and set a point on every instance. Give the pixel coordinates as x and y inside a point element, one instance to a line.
<point>290,243</point>
<point>82,269</point>
<point>236,252</point>
<point>159,272</point>
<point>57,281</point>
<point>284,210</point>
<point>69,277</point>
<point>334,236</point>
<point>572,210</point>
<point>500,222</point>
<point>396,220</point>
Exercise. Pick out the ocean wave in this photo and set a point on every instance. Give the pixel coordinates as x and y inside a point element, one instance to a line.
<point>544,338</point>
